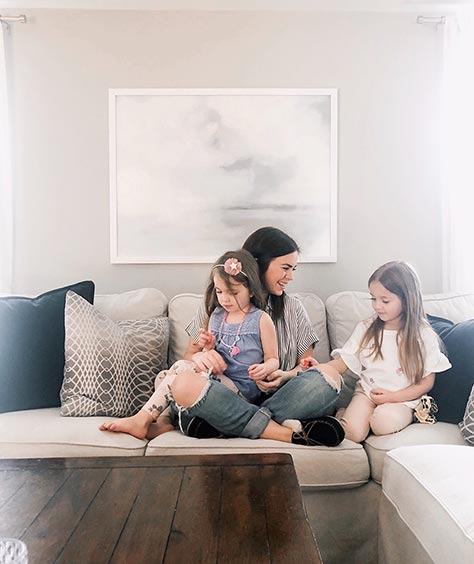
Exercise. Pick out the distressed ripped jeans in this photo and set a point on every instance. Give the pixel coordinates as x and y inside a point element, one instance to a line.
<point>306,396</point>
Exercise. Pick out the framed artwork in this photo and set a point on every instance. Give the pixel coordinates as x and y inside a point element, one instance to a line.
<point>194,171</point>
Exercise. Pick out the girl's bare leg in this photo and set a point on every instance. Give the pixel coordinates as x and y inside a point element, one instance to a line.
<point>390,418</point>
<point>356,418</point>
<point>138,425</point>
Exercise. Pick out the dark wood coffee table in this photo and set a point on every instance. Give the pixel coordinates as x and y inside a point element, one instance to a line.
<point>175,509</point>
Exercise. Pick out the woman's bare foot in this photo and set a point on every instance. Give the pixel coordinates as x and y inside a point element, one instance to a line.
<point>137,425</point>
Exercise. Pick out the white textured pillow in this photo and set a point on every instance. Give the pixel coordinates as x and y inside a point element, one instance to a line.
<point>110,366</point>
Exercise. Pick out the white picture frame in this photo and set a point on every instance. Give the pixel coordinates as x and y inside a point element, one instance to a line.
<point>194,171</point>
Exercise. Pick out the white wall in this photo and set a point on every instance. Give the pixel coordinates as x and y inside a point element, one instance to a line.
<point>385,66</point>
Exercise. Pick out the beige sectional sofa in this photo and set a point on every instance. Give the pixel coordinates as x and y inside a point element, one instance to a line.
<point>341,486</point>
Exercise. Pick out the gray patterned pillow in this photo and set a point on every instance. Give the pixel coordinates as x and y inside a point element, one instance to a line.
<point>110,366</point>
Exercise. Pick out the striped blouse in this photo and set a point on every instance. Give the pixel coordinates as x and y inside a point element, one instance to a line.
<point>295,333</point>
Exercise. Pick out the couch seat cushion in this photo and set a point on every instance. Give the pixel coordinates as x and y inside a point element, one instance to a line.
<point>43,433</point>
<point>430,487</point>
<point>416,434</point>
<point>345,466</point>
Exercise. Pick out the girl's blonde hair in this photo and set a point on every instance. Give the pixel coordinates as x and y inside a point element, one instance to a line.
<point>400,279</point>
<point>249,277</point>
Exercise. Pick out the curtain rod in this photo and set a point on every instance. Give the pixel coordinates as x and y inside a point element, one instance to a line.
<point>13,19</point>
<point>438,20</point>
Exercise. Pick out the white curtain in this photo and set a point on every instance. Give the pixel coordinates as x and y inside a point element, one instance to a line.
<point>6,188</point>
<point>458,153</point>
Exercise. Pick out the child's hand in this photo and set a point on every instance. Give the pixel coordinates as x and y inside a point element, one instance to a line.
<point>257,371</point>
<point>380,396</point>
<point>308,362</point>
<point>272,382</point>
<point>209,360</point>
<point>207,340</point>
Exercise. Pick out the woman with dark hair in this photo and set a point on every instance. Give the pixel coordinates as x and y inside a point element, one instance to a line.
<point>276,254</point>
<point>300,400</point>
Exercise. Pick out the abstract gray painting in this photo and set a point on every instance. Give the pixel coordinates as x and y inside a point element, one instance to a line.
<point>193,172</point>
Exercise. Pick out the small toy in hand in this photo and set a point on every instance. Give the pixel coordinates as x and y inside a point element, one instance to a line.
<point>306,362</point>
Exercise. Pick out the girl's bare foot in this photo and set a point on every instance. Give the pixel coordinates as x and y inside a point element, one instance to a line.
<point>137,425</point>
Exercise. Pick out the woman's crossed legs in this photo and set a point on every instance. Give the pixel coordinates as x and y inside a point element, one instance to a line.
<point>307,396</point>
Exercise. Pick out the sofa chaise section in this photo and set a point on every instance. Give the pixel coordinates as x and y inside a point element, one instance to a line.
<point>426,509</point>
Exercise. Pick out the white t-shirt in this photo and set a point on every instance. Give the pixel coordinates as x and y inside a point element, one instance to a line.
<point>386,373</point>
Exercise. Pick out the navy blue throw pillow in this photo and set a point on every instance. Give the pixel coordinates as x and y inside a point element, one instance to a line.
<point>32,347</point>
<point>452,387</point>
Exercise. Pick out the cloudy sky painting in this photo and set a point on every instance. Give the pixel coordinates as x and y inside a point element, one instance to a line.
<point>193,172</point>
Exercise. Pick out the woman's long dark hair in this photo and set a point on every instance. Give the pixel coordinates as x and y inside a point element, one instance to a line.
<point>266,244</point>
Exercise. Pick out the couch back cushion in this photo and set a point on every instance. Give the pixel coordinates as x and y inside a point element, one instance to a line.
<point>32,347</point>
<point>182,308</point>
<point>144,303</point>
<point>452,387</point>
<point>316,309</point>
<point>346,309</point>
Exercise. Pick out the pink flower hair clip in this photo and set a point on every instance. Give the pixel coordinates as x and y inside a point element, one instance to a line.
<point>232,266</point>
